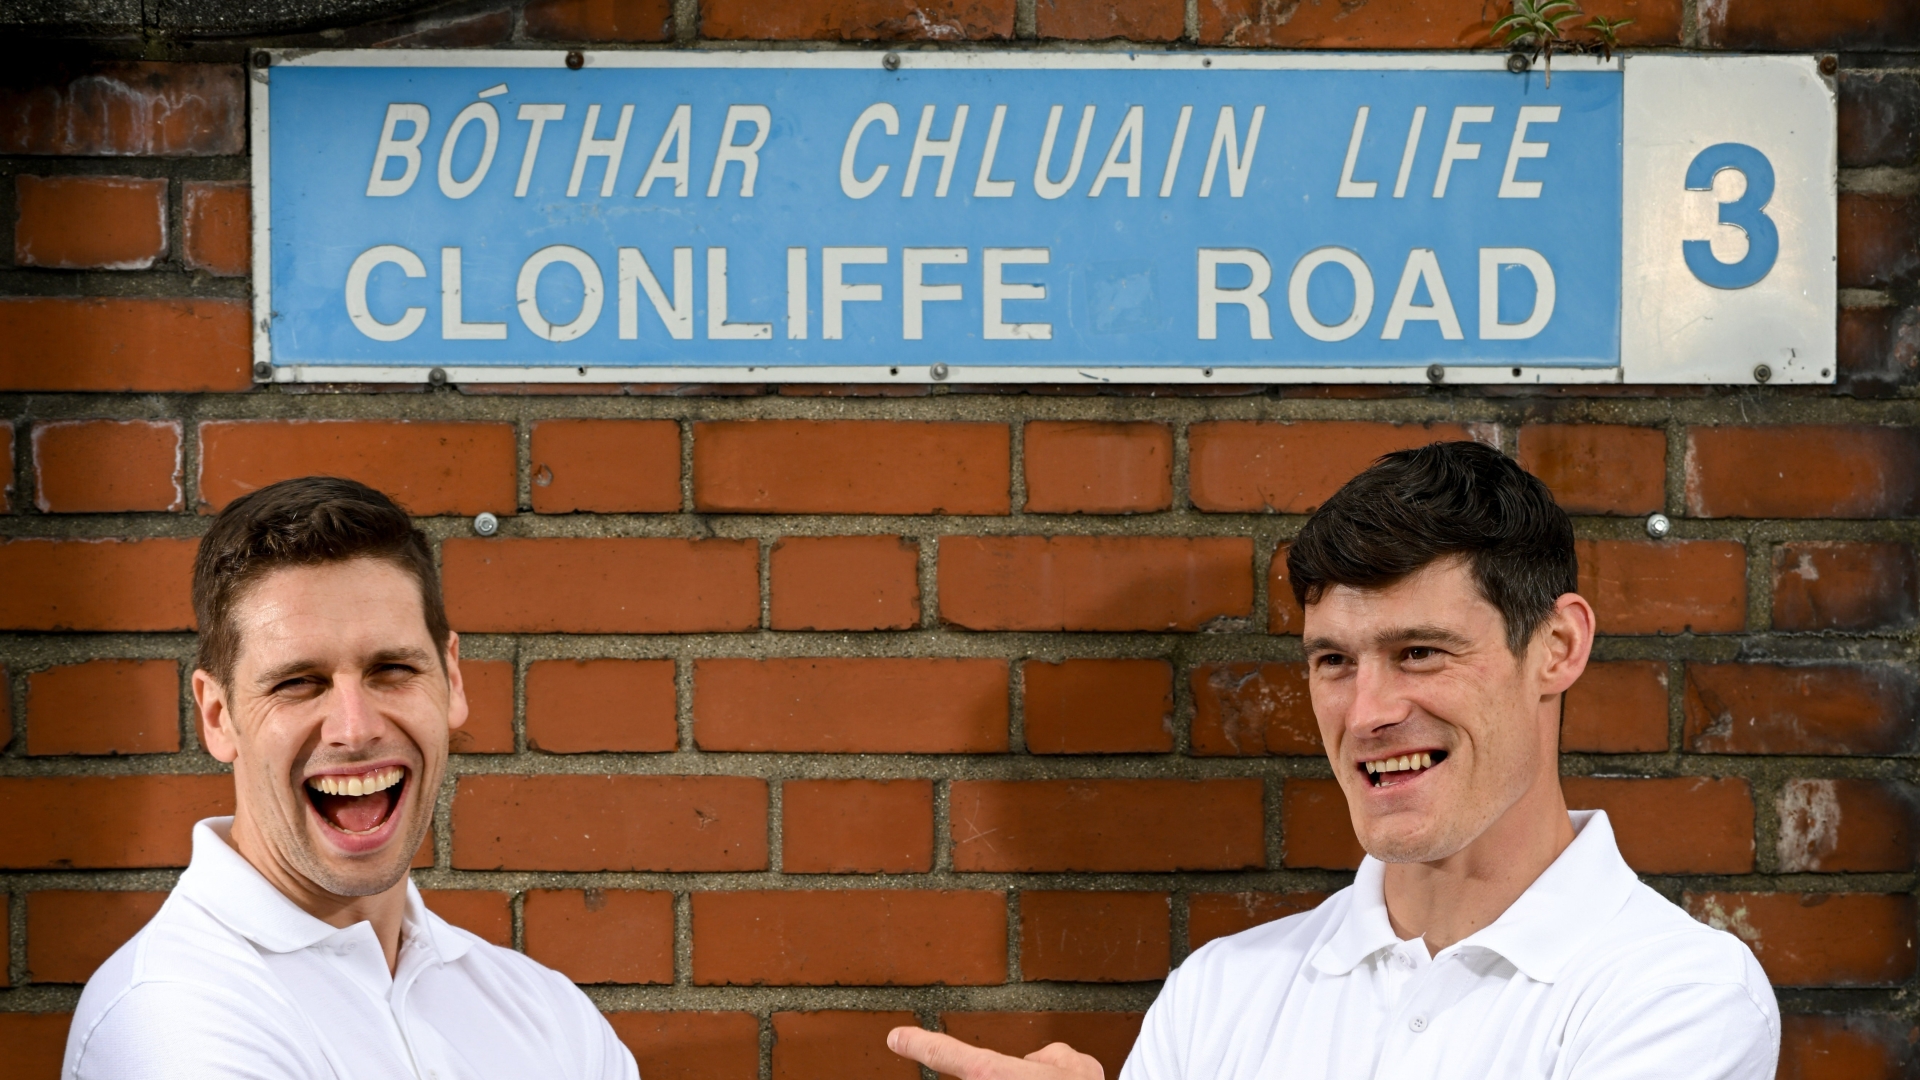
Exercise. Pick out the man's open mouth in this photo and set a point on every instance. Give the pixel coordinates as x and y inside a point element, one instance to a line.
<point>357,802</point>
<point>1391,771</point>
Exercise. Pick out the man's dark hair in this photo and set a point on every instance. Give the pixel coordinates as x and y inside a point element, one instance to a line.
<point>303,522</point>
<point>1444,499</point>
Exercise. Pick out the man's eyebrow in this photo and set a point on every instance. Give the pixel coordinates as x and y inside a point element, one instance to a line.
<point>1320,644</point>
<point>404,655</point>
<point>1437,635</point>
<point>275,675</point>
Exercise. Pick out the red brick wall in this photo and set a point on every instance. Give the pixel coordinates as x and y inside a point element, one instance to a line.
<point>800,712</point>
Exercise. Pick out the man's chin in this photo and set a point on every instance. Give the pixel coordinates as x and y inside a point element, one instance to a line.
<point>360,864</point>
<point>1409,842</point>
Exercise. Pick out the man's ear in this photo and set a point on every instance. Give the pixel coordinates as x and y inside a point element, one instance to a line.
<point>1567,637</point>
<point>216,717</point>
<point>456,684</point>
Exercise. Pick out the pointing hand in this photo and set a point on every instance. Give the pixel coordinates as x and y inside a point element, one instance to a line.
<point>946,1054</point>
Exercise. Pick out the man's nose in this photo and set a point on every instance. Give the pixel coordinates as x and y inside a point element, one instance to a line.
<point>1378,703</point>
<point>354,721</point>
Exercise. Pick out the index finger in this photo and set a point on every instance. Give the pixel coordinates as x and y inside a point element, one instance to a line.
<point>944,1053</point>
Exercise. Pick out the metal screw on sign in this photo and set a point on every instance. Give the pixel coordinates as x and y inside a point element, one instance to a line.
<point>891,61</point>
<point>1829,65</point>
<point>438,376</point>
<point>261,60</point>
<point>1518,63</point>
<point>939,372</point>
<point>1436,374</point>
<point>1761,373</point>
<point>1658,526</point>
<point>262,372</point>
<point>575,60</point>
<point>486,524</point>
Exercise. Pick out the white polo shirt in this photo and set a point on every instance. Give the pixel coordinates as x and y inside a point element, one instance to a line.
<point>1590,975</point>
<point>232,980</point>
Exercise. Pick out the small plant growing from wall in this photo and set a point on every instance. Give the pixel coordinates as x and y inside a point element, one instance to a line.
<point>1537,26</point>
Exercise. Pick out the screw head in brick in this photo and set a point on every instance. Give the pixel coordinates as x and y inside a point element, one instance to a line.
<point>1518,63</point>
<point>1829,65</point>
<point>262,372</point>
<point>575,59</point>
<point>1659,526</point>
<point>1761,373</point>
<point>438,376</point>
<point>891,61</point>
<point>485,524</point>
<point>262,59</point>
<point>939,372</point>
<point>1436,374</point>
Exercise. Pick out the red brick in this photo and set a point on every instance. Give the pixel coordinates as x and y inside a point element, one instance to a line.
<point>601,935</point>
<point>850,466</point>
<point>69,934</point>
<point>606,466</point>
<point>1081,467</point>
<point>1126,20</point>
<point>1094,936</point>
<point>428,467</point>
<point>1818,939</point>
<point>1666,587</point>
<point>1876,118</point>
<point>1617,707</point>
<point>1848,826</point>
<point>1795,709</point>
<point>132,344</point>
<point>107,466</point>
<point>837,1045</point>
<point>844,583</point>
<point>850,937</point>
<point>1785,24</point>
<point>219,221</point>
<point>485,913</point>
<point>1106,1036</point>
<point>872,705</point>
<point>90,222</point>
<point>583,706</point>
<point>856,826</point>
<point>1098,706</point>
<point>96,584</point>
<point>857,20</point>
<point>1869,1047</point>
<point>691,1045</point>
<point>1253,708</point>
<point>1803,470</point>
<point>105,707</point>
<point>489,726</point>
<point>1284,615</point>
<point>1324,24</point>
<point>35,1043</point>
<point>600,20</point>
<point>1836,585</point>
<point>1598,468</point>
<point>1094,582</point>
<point>1878,351</point>
<point>1107,825</point>
<point>1253,466</point>
<point>1317,826</point>
<point>105,822</point>
<point>669,823</point>
<point>1717,839</point>
<point>124,109</point>
<point>1217,915</point>
<point>612,585</point>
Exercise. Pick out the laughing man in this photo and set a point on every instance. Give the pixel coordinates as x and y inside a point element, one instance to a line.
<point>1489,933</point>
<point>294,944</point>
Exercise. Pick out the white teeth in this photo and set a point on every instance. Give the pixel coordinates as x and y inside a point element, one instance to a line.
<point>1426,761</point>
<point>365,784</point>
<point>1400,763</point>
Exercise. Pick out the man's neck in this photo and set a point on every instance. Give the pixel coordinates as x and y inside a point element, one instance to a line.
<point>385,911</point>
<point>1450,899</point>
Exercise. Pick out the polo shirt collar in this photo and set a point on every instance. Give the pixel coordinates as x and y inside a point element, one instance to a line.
<point>220,880</point>
<point>1538,934</point>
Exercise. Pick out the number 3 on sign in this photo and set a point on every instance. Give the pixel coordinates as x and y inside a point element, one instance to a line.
<point>1746,213</point>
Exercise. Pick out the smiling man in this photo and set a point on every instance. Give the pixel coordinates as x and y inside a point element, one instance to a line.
<point>294,944</point>
<point>1490,932</point>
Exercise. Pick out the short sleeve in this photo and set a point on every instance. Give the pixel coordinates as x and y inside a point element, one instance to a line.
<point>174,1031</point>
<point>1704,1031</point>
